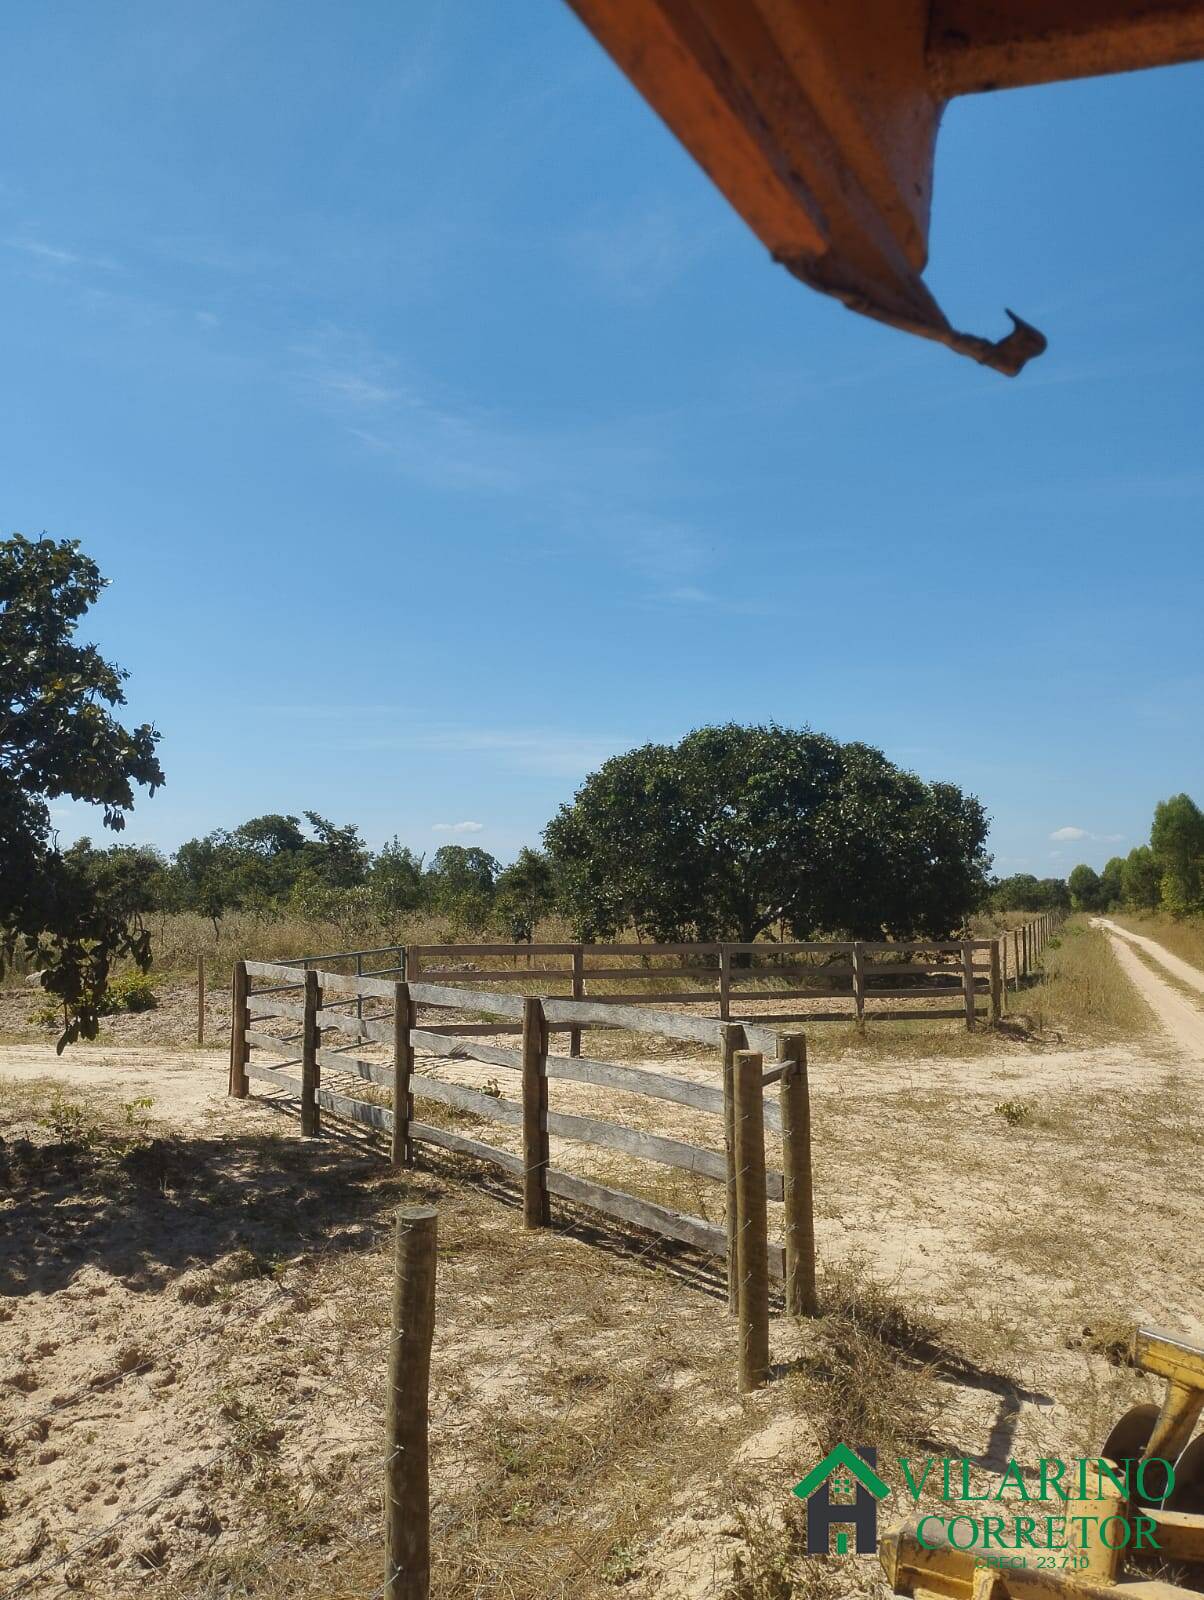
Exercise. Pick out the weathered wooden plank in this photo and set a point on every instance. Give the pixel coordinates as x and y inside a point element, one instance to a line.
<point>521,975</point>
<point>269,1041</point>
<point>641,1213</point>
<point>471,950</point>
<point>280,1008</point>
<point>652,974</point>
<point>636,1080</point>
<point>603,951</point>
<point>940,969</point>
<point>673,996</point>
<point>276,1077</point>
<point>821,988</point>
<point>915,994</point>
<point>468,1029</point>
<point>651,1147</point>
<point>652,1217</point>
<point>447,1140</point>
<point>379,1117</point>
<point>353,985</point>
<point>486,1106</point>
<point>374,1071</point>
<point>640,1019</point>
<point>486,1000</point>
<point>272,969</point>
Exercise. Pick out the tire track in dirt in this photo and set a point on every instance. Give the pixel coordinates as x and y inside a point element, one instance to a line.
<point>1182,1020</point>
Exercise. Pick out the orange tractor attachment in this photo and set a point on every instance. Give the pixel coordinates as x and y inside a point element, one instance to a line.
<point>818,118</point>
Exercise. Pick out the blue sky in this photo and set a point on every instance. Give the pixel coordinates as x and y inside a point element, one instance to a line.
<point>443,432</point>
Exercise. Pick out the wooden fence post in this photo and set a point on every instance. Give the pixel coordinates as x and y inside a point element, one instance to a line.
<point>310,1117</point>
<point>968,981</point>
<point>859,981</point>
<point>407,1463</point>
<point>996,983</point>
<point>725,983</point>
<point>200,999</point>
<point>801,1298</point>
<point>732,1039</point>
<point>1016,953</point>
<point>239,1012</point>
<point>752,1253</point>
<point>536,1210</point>
<point>413,964</point>
<point>403,1065</point>
<point>578,994</point>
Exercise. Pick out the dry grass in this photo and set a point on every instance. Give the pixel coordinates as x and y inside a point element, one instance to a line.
<point>1183,937</point>
<point>177,939</point>
<point>1083,995</point>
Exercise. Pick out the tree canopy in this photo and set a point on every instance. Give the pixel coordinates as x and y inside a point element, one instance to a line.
<point>737,828</point>
<point>58,738</point>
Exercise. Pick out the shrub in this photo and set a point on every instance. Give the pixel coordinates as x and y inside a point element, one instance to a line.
<point>130,993</point>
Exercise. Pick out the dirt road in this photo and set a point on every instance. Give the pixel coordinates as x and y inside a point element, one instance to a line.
<point>1179,1016</point>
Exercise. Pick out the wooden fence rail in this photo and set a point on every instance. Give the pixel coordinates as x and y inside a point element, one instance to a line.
<point>317,1002</point>
<point>965,978</point>
<point>323,1011</point>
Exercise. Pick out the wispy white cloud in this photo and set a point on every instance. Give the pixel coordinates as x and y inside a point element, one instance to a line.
<point>57,255</point>
<point>458,827</point>
<point>1069,835</point>
<point>545,752</point>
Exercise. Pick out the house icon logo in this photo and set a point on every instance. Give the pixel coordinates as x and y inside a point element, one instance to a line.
<point>847,1472</point>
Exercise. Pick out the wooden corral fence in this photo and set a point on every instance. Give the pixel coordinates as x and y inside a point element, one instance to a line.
<point>871,975</point>
<point>315,1001</point>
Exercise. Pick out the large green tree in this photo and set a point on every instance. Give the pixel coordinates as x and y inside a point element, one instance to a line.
<point>59,739</point>
<point>1177,840</point>
<point>736,828</point>
<point>460,883</point>
<point>1084,888</point>
<point>1140,880</point>
<point>1024,892</point>
<point>525,892</point>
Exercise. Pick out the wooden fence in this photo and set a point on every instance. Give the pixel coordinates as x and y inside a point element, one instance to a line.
<point>871,975</point>
<point>317,1000</point>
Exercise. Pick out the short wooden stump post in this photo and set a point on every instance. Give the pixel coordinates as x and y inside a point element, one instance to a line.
<point>752,1245</point>
<point>239,1011</point>
<point>407,1465</point>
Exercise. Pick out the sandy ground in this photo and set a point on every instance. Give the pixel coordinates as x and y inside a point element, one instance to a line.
<point>191,1339</point>
<point>1177,1014</point>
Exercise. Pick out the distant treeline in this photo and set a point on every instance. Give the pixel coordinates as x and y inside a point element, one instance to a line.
<point>730,833</point>
<point>1165,875</point>
<point>326,873</point>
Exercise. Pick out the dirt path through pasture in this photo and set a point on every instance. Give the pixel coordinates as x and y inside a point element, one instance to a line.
<point>1180,1018</point>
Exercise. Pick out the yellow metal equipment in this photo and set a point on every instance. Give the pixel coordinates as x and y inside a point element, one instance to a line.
<point>932,1569</point>
<point>818,118</point>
